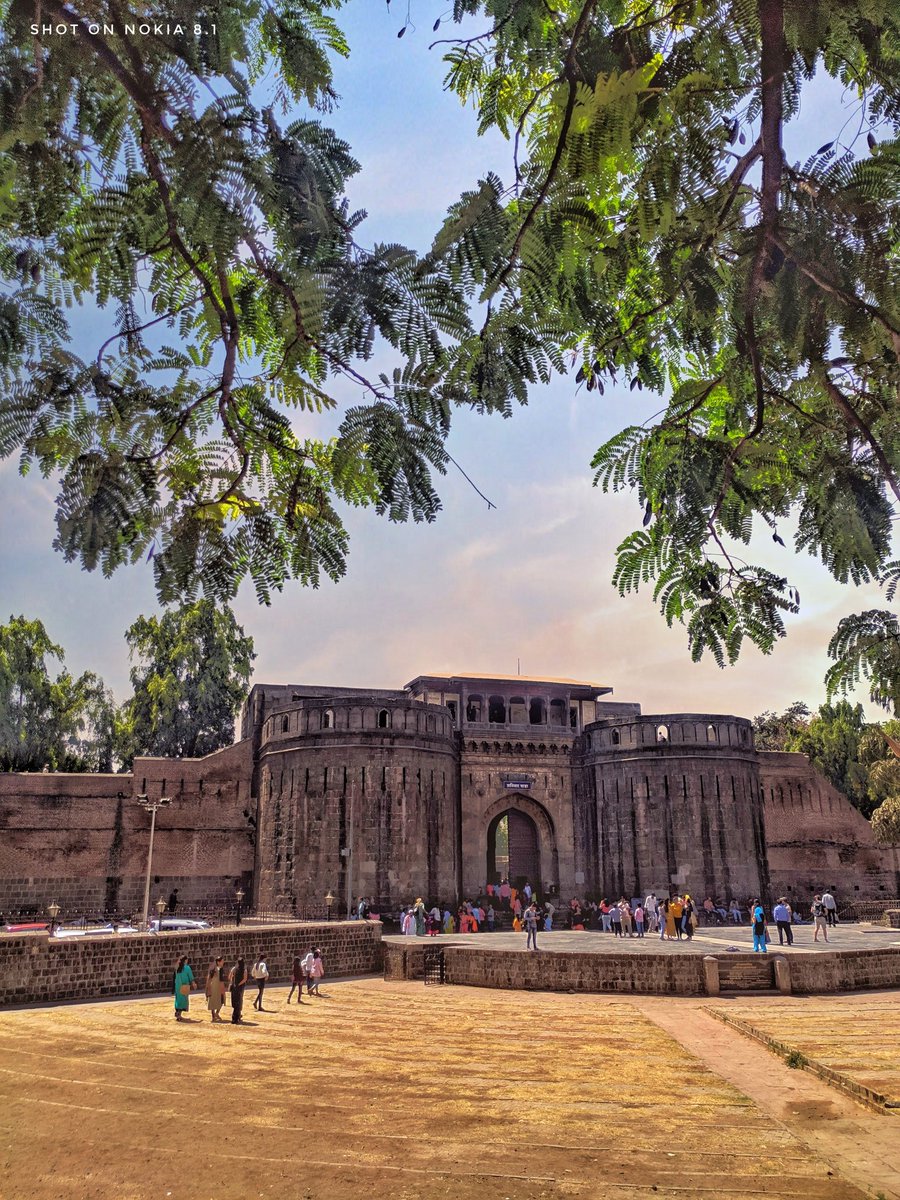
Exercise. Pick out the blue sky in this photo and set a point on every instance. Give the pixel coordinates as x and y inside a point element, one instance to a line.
<point>477,590</point>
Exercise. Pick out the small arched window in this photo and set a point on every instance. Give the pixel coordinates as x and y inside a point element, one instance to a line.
<point>662,733</point>
<point>712,734</point>
<point>328,719</point>
<point>615,737</point>
<point>384,719</point>
<point>285,724</point>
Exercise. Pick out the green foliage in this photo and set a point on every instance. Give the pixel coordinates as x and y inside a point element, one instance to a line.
<point>867,646</point>
<point>886,821</point>
<point>654,234</point>
<point>853,755</point>
<point>154,178</point>
<point>191,673</point>
<point>61,724</point>
<point>832,742</point>
<point>777,731</point>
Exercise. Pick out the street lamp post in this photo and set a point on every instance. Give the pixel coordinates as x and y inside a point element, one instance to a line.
<point>53,911</point>
<point>151,806</point>
<point>239,896</point>
<point>160,908</point>
<point>329,900</point>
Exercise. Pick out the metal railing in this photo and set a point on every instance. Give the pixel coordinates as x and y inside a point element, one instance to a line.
<point>867,910</point>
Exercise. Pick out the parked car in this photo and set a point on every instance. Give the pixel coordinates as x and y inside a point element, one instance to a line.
<point>27,926</point>
<point>108,928</point>
<point>178,923</point>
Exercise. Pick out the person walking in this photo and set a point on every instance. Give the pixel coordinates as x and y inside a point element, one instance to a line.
<point>662,916</point>
<point>758,921</point>
<point>260,975</point>
<point>237,981</point>
<point>639,921</point>
<point>173,901</point>
<point>182,985</point>
<point>830,908</point>
<point>531,924</point>
<point>297,978</point>
<point>782,915</point>
<point>306,965</point>
<point>676,912</point>
<point>625,910</point>
<point>215,988</point>
<point>688,919</point>
<point>419,914</point>
<point>820,918</point>
<point>605,918</point>
<point>615,919</point>
<point>316,973</point>
<point>491,918</point>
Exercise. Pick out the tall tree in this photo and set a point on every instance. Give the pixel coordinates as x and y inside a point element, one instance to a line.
<point>63,723</point>
<point>777,731</point>
<point>145,168</point>
<point>832,739</point>
<point>192,668</point>
<point>654,233</point>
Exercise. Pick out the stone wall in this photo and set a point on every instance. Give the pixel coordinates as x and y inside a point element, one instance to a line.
<point>543,757</point>
<point>380,780</point>
<point>34,968</point>
<point>816,839</point>
<point>82,839</point>
<point>659,974</point>
<point>670,803</point>
<point>845,970</point>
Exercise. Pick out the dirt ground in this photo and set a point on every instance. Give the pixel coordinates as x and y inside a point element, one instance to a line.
<point>865,1049</point>
<point>410,1092</point>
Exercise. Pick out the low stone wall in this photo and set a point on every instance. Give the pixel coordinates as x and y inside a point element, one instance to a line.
<point>34,968</point>
<point>554,972</point>
<point>653,974</point>
<point>845,970</point>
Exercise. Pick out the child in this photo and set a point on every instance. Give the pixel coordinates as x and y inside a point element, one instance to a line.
<point>517,924</point>
<point>316,973</point>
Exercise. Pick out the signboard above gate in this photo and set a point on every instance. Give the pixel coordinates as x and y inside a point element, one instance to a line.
<point>517,782</point>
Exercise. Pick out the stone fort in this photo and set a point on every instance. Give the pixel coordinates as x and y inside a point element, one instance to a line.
<point>399,793</point>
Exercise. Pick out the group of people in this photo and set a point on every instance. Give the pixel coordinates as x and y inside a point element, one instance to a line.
<point>223,981</point>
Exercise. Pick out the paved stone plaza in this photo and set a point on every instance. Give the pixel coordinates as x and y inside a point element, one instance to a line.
<point>415,1093</point>
<point>705,941</point>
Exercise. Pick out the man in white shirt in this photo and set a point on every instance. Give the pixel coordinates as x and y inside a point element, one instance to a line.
<point>830,908</point>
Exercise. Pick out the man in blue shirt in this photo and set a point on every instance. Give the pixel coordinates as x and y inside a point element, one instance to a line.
<point>782,915</point>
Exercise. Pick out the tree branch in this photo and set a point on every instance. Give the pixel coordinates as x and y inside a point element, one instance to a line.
<point>852,417</point>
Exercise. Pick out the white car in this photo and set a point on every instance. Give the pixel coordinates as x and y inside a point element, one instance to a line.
<point>178,923</point>
<point>70,931</point>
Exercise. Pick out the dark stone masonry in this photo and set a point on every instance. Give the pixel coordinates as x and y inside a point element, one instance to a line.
<point>35,969</point>
<point>432,790</point>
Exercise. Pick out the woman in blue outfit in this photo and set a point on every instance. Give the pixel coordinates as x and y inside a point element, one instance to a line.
<point>184,981</point>
<point>758,921</point>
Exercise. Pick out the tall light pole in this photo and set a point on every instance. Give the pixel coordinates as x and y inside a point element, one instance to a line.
<point>151,806</point>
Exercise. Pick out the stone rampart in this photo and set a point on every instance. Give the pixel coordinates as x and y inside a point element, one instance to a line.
<point>816,839</point>
<point>81,840</point>
<point>35,968</point>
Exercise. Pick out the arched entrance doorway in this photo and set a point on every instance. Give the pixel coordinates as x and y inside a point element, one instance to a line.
<point>514,849</point>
